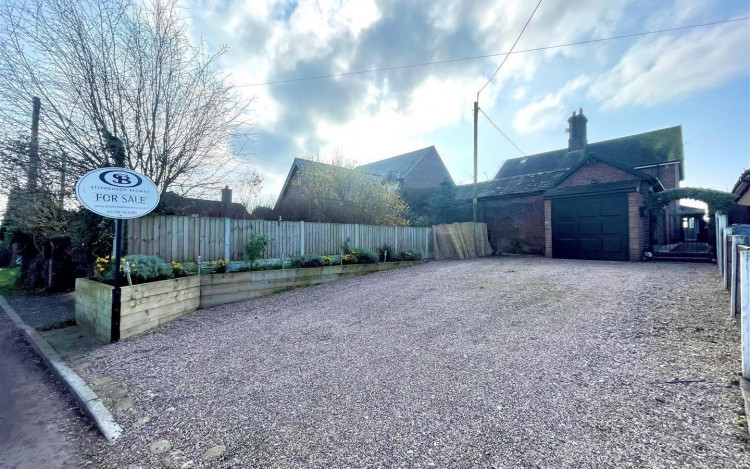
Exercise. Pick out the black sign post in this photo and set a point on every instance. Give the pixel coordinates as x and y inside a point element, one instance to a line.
<point>116,292</point>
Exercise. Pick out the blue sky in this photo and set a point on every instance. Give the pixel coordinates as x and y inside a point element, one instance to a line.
<point>698,78</point>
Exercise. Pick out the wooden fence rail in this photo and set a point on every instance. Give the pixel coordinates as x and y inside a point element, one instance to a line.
<point>178,238</point>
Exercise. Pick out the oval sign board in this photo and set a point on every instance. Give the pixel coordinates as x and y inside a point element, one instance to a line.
<point>117,193</point>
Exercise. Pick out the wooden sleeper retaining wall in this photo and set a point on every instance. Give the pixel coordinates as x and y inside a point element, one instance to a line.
<point>146,306</point>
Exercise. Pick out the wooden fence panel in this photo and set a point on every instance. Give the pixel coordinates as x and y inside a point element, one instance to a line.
<point>184,238</point>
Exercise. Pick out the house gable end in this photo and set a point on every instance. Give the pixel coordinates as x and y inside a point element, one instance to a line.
<point>598,170</point>
<point>429,171</point>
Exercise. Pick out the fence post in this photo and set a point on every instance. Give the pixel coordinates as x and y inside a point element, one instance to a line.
<point>301,238</point>
<point>717,228</point>
<point>356,235</point>
<point>227,231</point>
<point>736,241</point>
<point>745,311</point>
<point>724,234</point>
<point>721,224</point>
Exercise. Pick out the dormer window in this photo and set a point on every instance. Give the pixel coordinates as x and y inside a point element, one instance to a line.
<point>524,160</point>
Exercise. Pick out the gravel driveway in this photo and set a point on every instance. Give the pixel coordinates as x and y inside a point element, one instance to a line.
<point>500,362</point>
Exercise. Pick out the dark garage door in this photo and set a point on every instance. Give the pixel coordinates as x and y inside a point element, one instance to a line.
<point>593,227</point>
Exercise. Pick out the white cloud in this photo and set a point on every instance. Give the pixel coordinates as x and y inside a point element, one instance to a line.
<point>392,130</point>
<point>548,111</point>
<point>539,115</point>
<point>670,67</point>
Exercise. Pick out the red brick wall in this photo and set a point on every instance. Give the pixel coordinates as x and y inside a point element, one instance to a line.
<point>515,224</point>
<point>596,172</point>
<point>636,226</point>
<point>548,228</point>
<point>669,175</point>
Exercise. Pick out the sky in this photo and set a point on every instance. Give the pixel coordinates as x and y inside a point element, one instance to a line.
<point>697,78</point>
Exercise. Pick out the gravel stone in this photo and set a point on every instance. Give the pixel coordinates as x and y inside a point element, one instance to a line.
<point>215,452</point>
<point>159,447</point>
<point>141,421</point>
<point>124,404</point>
<point>498,362</point>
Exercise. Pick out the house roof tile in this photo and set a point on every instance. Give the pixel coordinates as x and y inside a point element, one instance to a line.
<point>396,167</point>
<point>635,151</point>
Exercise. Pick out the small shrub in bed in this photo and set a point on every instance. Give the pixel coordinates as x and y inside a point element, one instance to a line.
<point>311,260</point>
<point>409,255</point>
<point>270,265</point>
<point>149,268</point>
<point>142,268</point>
<point>254,248</point>
<point>352,257</point>
<point>221,265</point>
<point>367,257</point>
<point>386,248</point>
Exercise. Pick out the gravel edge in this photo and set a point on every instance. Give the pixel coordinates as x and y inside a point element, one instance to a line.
<point>86,398</point>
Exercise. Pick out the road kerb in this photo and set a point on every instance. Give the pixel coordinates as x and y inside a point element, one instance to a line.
<point>87,399</point>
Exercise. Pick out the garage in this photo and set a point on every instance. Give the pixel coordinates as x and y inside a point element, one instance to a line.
<point>591,227</point>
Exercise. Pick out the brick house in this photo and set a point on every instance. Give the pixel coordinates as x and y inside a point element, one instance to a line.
<point>740,213</point>
<point>416,171</point>
<point>174,204</point>
<point>586,201</point>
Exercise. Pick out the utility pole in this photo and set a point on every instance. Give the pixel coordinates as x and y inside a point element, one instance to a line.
<point>474,187</point>
<point>33,173</point>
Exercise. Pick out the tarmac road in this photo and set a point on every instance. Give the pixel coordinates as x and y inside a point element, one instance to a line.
<point>40,424</point>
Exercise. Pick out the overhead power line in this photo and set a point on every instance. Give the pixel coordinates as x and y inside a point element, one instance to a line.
<point>498,54</point>
<point>511,49</point>
<point>501,132</point>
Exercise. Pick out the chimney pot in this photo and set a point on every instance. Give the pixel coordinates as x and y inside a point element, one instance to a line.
<point>226,196</point>
<point>577,131</point>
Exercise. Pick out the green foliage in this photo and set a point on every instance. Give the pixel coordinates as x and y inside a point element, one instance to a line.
<point>275,264</point>
<point>9,285</point>
<point>717,201</point>
<point>148,268</point>
<point>254,248</point>
<point>409,255</point>
<point>35,272</point>
<point>383,249</point>
<point>350,258</point>
<point>338,192</point>
<point>365,256</point>
<point>435,206</point>
<point>185,269</point>
<point>220,266</point>
<point>345,248</point>
<point>5,253</point>
<point>91,237</point>
<point>311,260</point>
<point>142,268</point>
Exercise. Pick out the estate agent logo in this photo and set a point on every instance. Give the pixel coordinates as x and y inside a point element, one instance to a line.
<point>117,193</point>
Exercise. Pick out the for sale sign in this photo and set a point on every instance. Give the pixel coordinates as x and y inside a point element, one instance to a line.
<point>117,193</point>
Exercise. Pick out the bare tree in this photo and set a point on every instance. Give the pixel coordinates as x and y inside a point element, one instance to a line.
<point>248,184</point>
<point>122,68</point>
<point>334,190</point>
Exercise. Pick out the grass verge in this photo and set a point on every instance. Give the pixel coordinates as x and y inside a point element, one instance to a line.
<point>8,282</point>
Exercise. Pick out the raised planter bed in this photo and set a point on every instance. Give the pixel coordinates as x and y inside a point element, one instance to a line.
<point>142,307</point>
<point>149,305</point>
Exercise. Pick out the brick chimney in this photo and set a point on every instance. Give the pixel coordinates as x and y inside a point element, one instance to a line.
<point>577,131</point>
<point>226,200</point>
